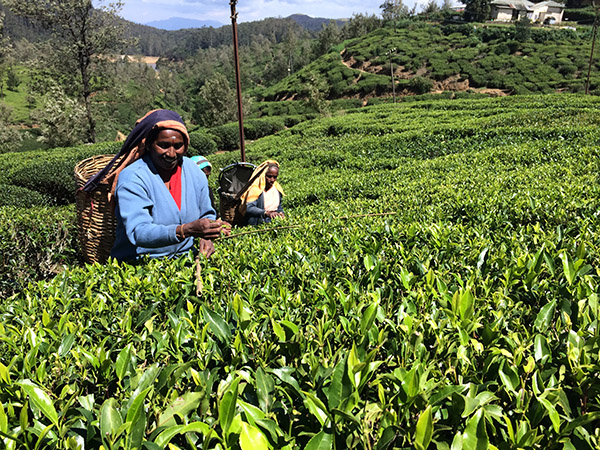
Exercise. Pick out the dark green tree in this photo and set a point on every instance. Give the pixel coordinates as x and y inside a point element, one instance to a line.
<point>394,10</point>
<point>431,7</point>
<point>477,10</point>
<point>4,52</point>
<point>217,102</point>
<point>317,91</point>
<point>12,79</point>
<point>360,25</point>
<point>522,30</point>
<point>329,35</point>
<point>81,34</point>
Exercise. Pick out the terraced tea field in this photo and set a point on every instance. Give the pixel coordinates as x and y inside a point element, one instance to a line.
<point>438,289</point>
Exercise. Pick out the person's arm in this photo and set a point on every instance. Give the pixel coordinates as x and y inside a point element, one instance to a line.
<point>280,207</point>
<point>253,209</point>
<point>205,226</point>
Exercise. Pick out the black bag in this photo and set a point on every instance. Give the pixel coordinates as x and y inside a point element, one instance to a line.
<point>234,181</point>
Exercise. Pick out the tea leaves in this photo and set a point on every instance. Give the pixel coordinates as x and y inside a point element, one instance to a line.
<point>467,318</point>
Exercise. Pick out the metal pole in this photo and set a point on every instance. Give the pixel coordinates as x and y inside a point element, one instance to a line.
<point>389,52</point>
<point>587,82</point>
<point>392,75</point>
<point>237,78</point>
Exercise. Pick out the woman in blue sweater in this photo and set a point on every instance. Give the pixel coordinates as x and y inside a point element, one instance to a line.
<point>162,199</point>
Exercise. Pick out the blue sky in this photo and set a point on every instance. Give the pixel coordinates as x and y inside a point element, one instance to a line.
<point>144,11</point>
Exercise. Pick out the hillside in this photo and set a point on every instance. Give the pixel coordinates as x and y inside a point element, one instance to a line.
<point>314,24</point>
<point>435,285</point>
<point>182,43</point>
<point>449,58</point>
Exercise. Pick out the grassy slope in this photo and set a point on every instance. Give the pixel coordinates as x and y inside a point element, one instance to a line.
<point>477,298</point>
<point>453,58</point>
<point>17,99</point>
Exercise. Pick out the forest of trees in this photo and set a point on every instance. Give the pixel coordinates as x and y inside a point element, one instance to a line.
<point>79,76</point>
<point>80,86</point>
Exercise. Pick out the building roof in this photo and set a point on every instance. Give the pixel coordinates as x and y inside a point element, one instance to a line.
<point>514,4</point>
<point>525,5</point>
<point>552,4</point>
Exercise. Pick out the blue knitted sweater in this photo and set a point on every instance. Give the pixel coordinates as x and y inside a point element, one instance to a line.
<point>147,216</point>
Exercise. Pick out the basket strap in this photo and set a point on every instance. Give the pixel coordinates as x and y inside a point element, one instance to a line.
<point>249,183</point>
<point>94,181</point>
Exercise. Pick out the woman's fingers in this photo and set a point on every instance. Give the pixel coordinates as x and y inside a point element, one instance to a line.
<point>206,247</point>
<point>207,229</point>
<point>225,228</point>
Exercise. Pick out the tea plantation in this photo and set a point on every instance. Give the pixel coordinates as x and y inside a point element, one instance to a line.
<point>439,290</point>
<point>456,59</point>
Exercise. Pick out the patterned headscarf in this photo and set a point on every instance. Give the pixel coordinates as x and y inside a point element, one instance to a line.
<point>134,146</point>
<point>258,186</point>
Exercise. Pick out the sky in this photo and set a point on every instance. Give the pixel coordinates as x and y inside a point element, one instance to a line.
<point>144,11</point>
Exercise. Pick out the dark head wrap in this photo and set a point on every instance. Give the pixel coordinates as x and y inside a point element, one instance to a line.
<point>134,146</point>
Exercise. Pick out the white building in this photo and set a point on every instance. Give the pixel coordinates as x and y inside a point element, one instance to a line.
<point>544,12</point>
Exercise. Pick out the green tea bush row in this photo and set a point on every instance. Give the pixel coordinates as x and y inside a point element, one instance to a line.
<point>425,294</point>
<point>227,137</point>
<point>258,128</point>
<point>50,173</point>
<point>279,108</point>
<point>201,143</point>
<point>35,243</point>
<point>584,15</point>
<point>11,195</point>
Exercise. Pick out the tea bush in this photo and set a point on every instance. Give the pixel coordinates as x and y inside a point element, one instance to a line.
<point>486,56</point>
<point>201,143</point>
<point>227,137</point>
<point>258,128</point>
<point>464,315</point>
<point>50,172</point>
<point>11,195</point>
<point>35,243</point>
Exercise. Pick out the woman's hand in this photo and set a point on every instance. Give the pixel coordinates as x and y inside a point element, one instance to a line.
<point>273,214</point>
<point>206,229</point>
<point>206,247</point>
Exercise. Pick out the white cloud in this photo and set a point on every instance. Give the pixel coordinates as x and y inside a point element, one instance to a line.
<point>142,11</point>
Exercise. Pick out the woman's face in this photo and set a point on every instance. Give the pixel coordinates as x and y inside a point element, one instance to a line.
<point>270,177</point>
<point>167,150</point>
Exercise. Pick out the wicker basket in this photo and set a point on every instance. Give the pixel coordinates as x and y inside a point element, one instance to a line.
<point>95,215</point>
<point>229,208</point>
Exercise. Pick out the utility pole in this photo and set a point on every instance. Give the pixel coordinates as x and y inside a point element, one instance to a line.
<point>237,78</point>
<point>389,53</point>
<point>595,28</point>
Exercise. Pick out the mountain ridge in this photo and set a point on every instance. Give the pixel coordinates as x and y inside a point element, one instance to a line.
<point>179,23</point>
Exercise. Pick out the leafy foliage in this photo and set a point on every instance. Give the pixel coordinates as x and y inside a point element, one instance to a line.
<point>62,119</point>
<point>37,242</point>
<point>201,143</point>
<point>459,58</point>
<point>477,10</point>
<point>465,319</point>
<point>80,34</point>
<point>216,102</point>
<point>49,172</point>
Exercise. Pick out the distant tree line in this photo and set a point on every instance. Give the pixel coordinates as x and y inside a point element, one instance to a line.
<point>83,87</point>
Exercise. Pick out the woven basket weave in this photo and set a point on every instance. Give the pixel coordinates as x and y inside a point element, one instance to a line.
<point>228,208</point>
<point>95,215</point>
